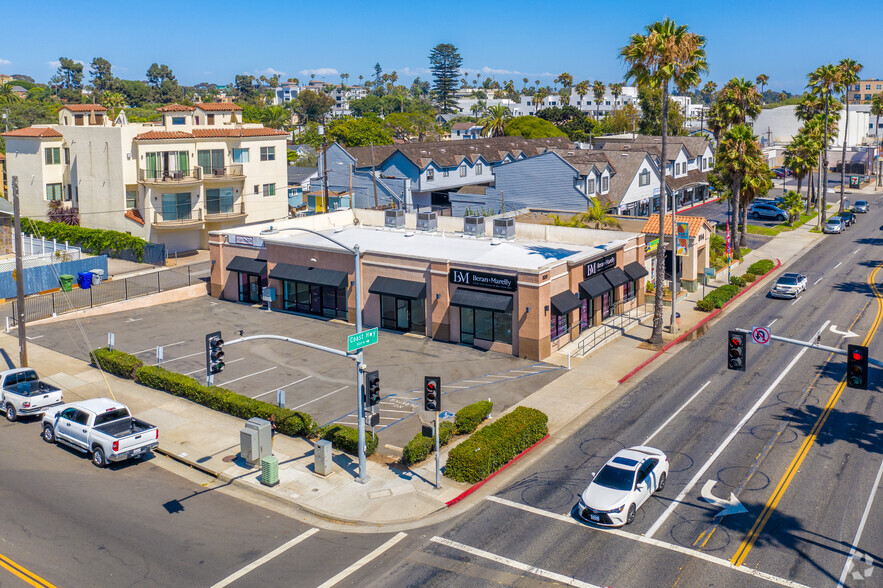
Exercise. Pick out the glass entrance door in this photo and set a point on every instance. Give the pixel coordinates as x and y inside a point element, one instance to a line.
<point>606,304</point>
<point>249,288</point>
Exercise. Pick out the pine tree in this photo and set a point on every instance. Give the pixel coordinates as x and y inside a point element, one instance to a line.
<point>445,61</point>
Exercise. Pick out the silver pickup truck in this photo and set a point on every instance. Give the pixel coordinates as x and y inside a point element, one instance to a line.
<point>102,427</point>
<point>22,393</point>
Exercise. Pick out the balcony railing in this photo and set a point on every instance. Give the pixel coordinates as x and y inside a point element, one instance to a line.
<point>230,172</point>
<point>179,220</point>
<point>170,176</point>
<point>236,210</point>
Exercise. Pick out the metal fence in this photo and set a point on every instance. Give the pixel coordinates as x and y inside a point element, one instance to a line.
<point>612,327</point>
<point>47,305</point>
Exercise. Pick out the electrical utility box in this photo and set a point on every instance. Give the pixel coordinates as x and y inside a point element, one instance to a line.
<point>322,450</point>
<point>255,440</point>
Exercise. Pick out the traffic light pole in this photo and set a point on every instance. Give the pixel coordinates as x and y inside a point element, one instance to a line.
<point>437,466</point>
<point>812,345</point>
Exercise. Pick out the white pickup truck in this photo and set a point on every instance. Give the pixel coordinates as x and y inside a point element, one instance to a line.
<point>102,427</point>
<point>22,393</point>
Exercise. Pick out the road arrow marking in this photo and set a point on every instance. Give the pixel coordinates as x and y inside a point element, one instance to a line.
<point>844,334</point>
<point>731,506</point>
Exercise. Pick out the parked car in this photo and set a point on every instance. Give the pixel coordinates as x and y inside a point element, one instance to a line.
<point>833,225</point>
<point>848,217</point>
<point>625,482</point>
<point>789,285</point>
<point>781,172</point>
<point>102,427</point>
<point>22,393</point>
<point>861,206</point>
<point>765,210</point>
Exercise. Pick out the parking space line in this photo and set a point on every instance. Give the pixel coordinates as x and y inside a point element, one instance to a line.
<point>495,376</point>
<point>522,372</point>
<point>570,581</point>
<point>472,382</point>
<point>838,265</point>
<point>365,560</point>
<point>857,250</point>
<point>654,542</point>
<point>319,398</point>
<point>676,413</point>
<point>817,281</point>
<point>680,497</point>
<point>153,349</point>
<point>248,376</point>
<point>183,357</point>
<point>861,527</point>
<point>771,323</point>
<point>282,387</point>
<point>392,410</point>
<point>458,387</point>
<point>796,300</point>
<point>202,369</point>
<point>261,561</point>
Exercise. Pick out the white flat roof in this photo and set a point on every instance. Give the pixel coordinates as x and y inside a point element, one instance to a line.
<point>454,247</point>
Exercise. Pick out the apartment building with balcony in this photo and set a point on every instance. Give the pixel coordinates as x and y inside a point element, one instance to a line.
<point>198,169</point>
<point>343,95</point>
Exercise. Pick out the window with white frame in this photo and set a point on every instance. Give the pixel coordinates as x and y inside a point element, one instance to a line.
<point>53,192</point>
<point>240,155</point>
<point>590,186</point>
<point>430,174</point>
<point>131,199</point>
<point>605,184</point>
<point>269,189</point>
<point>446,173</point>
<point>478,169</point>
<point>644,178</point>
<point>268,154</point>
<point>462,171</point>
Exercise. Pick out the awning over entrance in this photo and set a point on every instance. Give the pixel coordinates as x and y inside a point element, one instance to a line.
<point>399,288</point>
<point>565,302</point>
<point>594,286</point>
<point>309,275</point>
<point>247,265</point>
<point>635,270</point>
<point>483,300</point>
<point>616,277</point>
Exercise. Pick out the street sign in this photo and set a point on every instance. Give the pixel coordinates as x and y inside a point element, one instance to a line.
<point>446,414</point>
<point>709,271</point>
<point>760,335</point>
<point>359,340</point>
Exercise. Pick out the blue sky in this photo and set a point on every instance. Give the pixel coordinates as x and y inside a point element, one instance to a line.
<point>214,41</point>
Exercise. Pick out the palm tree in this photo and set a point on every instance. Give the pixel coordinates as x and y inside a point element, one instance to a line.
<point>538,97</point>
<point>849,70</point>
<point>616,91</point>
<point>757,182</point>
<point>877,110</point>
<point>275,117</point>
<point>582,89</point>
<point>598,90</point>
<point>738,101</point>
<point>762,79</point>
<point>525,80</point>
<point>478,108</point>
<point>824,82</point>
<point>666,53</point>
<point>7,94</point>
<point>113,101</point>
<point>737,155</point>
<point>801,157</point>
<point>494,121</point>
<point>595,215</point>
<point>791,202</point>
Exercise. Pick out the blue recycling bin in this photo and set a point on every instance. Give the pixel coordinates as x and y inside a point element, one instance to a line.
<point>84,280</point>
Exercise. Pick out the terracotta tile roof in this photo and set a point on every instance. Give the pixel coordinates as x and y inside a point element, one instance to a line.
<point>159,135</point>
<point>84,107</point>
<point>217,106</point>
<point>42,132</point>
<point>696,224</point>
<point>237,132</point>
<point>2,156</point>
<point>135,216</point>
<point>175,108</point>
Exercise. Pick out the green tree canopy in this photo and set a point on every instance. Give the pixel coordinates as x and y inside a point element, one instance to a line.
<point>531,127</point>
<point>72,73</point>
<point>651,114</point>
<point>102,77</point>
<point>444,63</point>
<point>314,105</point>
<point>358,132</point>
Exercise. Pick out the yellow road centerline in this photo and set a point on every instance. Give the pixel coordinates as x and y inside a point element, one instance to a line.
<point>23,573</point>
<point>741,553</point>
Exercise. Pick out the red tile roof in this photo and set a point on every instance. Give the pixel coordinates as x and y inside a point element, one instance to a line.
<point>214,106</point>
<point>2,156</point>
<point>135,216</point>
<point>236,132</point>
<point>175,108</point>
<point>158,135</point>
<point>695,222</point>
<point>84,107</point>
<point>42,132</point>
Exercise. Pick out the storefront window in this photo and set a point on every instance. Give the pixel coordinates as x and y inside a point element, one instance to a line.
<point>403,314</point>
<point>313,299</point>
<point>249,287</point>
<point>485,325</point>
<point>630,290</point>
<point>585,314</point>
<point>559,325</point>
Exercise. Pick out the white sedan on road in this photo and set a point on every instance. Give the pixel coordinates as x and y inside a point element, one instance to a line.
<point>625,482</point>
<point>788,286</point>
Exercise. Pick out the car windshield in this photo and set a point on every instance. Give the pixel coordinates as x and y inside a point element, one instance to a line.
<point>615,478</point>
<point>860,203</point>
<point>788,281</point>
<point>833,221</point>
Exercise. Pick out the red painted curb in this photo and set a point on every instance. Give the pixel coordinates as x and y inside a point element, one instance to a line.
<point>478,485</point>
<point>714,313</point>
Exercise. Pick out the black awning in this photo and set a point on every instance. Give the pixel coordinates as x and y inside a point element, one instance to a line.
<point>309,275</point>
<point>616,277</point>
<point>565,302</point>
<point>635,271</point>
<point>247,265</point>
<point>483,300</point>
<point>400,288</point>
<point>594,286</point>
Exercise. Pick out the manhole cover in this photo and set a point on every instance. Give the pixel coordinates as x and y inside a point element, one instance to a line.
<point>228,458</point>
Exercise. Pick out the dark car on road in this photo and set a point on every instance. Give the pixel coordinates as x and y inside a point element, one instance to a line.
<point>861,206</point>
<point>848,217</point>
<point>765,210</point>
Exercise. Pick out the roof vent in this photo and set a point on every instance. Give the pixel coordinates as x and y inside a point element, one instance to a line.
<point>427,221</point>
<point>495,242</point>
<point>394,218</point>
<point>409,234</point>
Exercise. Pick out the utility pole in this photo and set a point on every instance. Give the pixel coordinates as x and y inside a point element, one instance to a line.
<point>374,176</point>
<point>20,278</point>
<point>324,166</point>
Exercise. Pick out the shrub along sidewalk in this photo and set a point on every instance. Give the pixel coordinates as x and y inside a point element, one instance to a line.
<point>720,296</point>
<point>465,422</point>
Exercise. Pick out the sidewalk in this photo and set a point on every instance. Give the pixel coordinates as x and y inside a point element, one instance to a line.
<point>209,441</point>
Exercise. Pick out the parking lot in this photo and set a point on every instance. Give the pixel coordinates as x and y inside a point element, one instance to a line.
<point>315,382</point>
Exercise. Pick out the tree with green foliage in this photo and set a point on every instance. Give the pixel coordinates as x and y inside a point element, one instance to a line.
<point>738,101</point>
<point>792,202</point>
<point>595,217</point>
<point>616,92</point>
<point>572,121</point>
<point>539,96</point>
<point>801,157</point>
<point>370,104</point>
<point>762,80</point>
<point>275,117</point>
<point>165,86</point>
<point>494,120</point>
<point>618,121</point>
<point>444,63</point>
<point>877,110</point>
<point>531,127</point>
<point>581,89</point>
<point>313,105</point>
<point>245,87</point>
<point>136,93</point>
<point>737,157</point>
<point>652,114</point>
<point>598,90</point>
<point>7,94</point>
<point>824,82</point>
<point>72,73</point>
<point>849,74</point>
<point>359,132</point>
<point>666,53</point>
<point>102,77</point>
<point>113,102</point>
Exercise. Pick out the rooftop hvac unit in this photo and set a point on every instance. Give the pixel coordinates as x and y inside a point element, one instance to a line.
<point>473,225</point>
<point>504,228</point>
<point>394,218</point>
<point>427,221</point>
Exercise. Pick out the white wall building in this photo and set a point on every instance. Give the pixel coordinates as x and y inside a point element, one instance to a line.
<point>198,170</point>
<point>526,104</point>
<point>287,91</point>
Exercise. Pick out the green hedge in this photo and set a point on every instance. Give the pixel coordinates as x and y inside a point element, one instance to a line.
<point>420,447</point>
<point>749,277</point>
<point>495,445</point>
<point>116,362</point>
<point>288,422</point>
<point>469,417</point>
<point>346,439</point>
<point>737,281</point>
<point>761,267</point>
<point>717,297</point>
<point>95,241</point>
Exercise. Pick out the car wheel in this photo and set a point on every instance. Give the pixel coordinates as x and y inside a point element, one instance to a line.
<point>780,218</point>
<point>98,459</point>
<point>630,518</point>
<point>48,434</point>
<point>10,413</point>
<point>755,215</point>
<point>661,485</point>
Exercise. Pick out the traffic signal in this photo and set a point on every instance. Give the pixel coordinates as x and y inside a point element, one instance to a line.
<point>857,366</point>
<point>736,351</point>
<point>432,393</point>
<point>372,387</point>
<point>214,353</point>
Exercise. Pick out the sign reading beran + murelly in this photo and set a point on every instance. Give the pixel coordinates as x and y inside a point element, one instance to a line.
<point>599,265</point>
<point>483,280</point>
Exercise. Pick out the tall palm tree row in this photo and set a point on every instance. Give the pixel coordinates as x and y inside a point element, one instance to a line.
<point>824,82</point>
<point>665,53</point>
<point>801,157</point>
<point>849,70</point>
<point>737,158</point>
